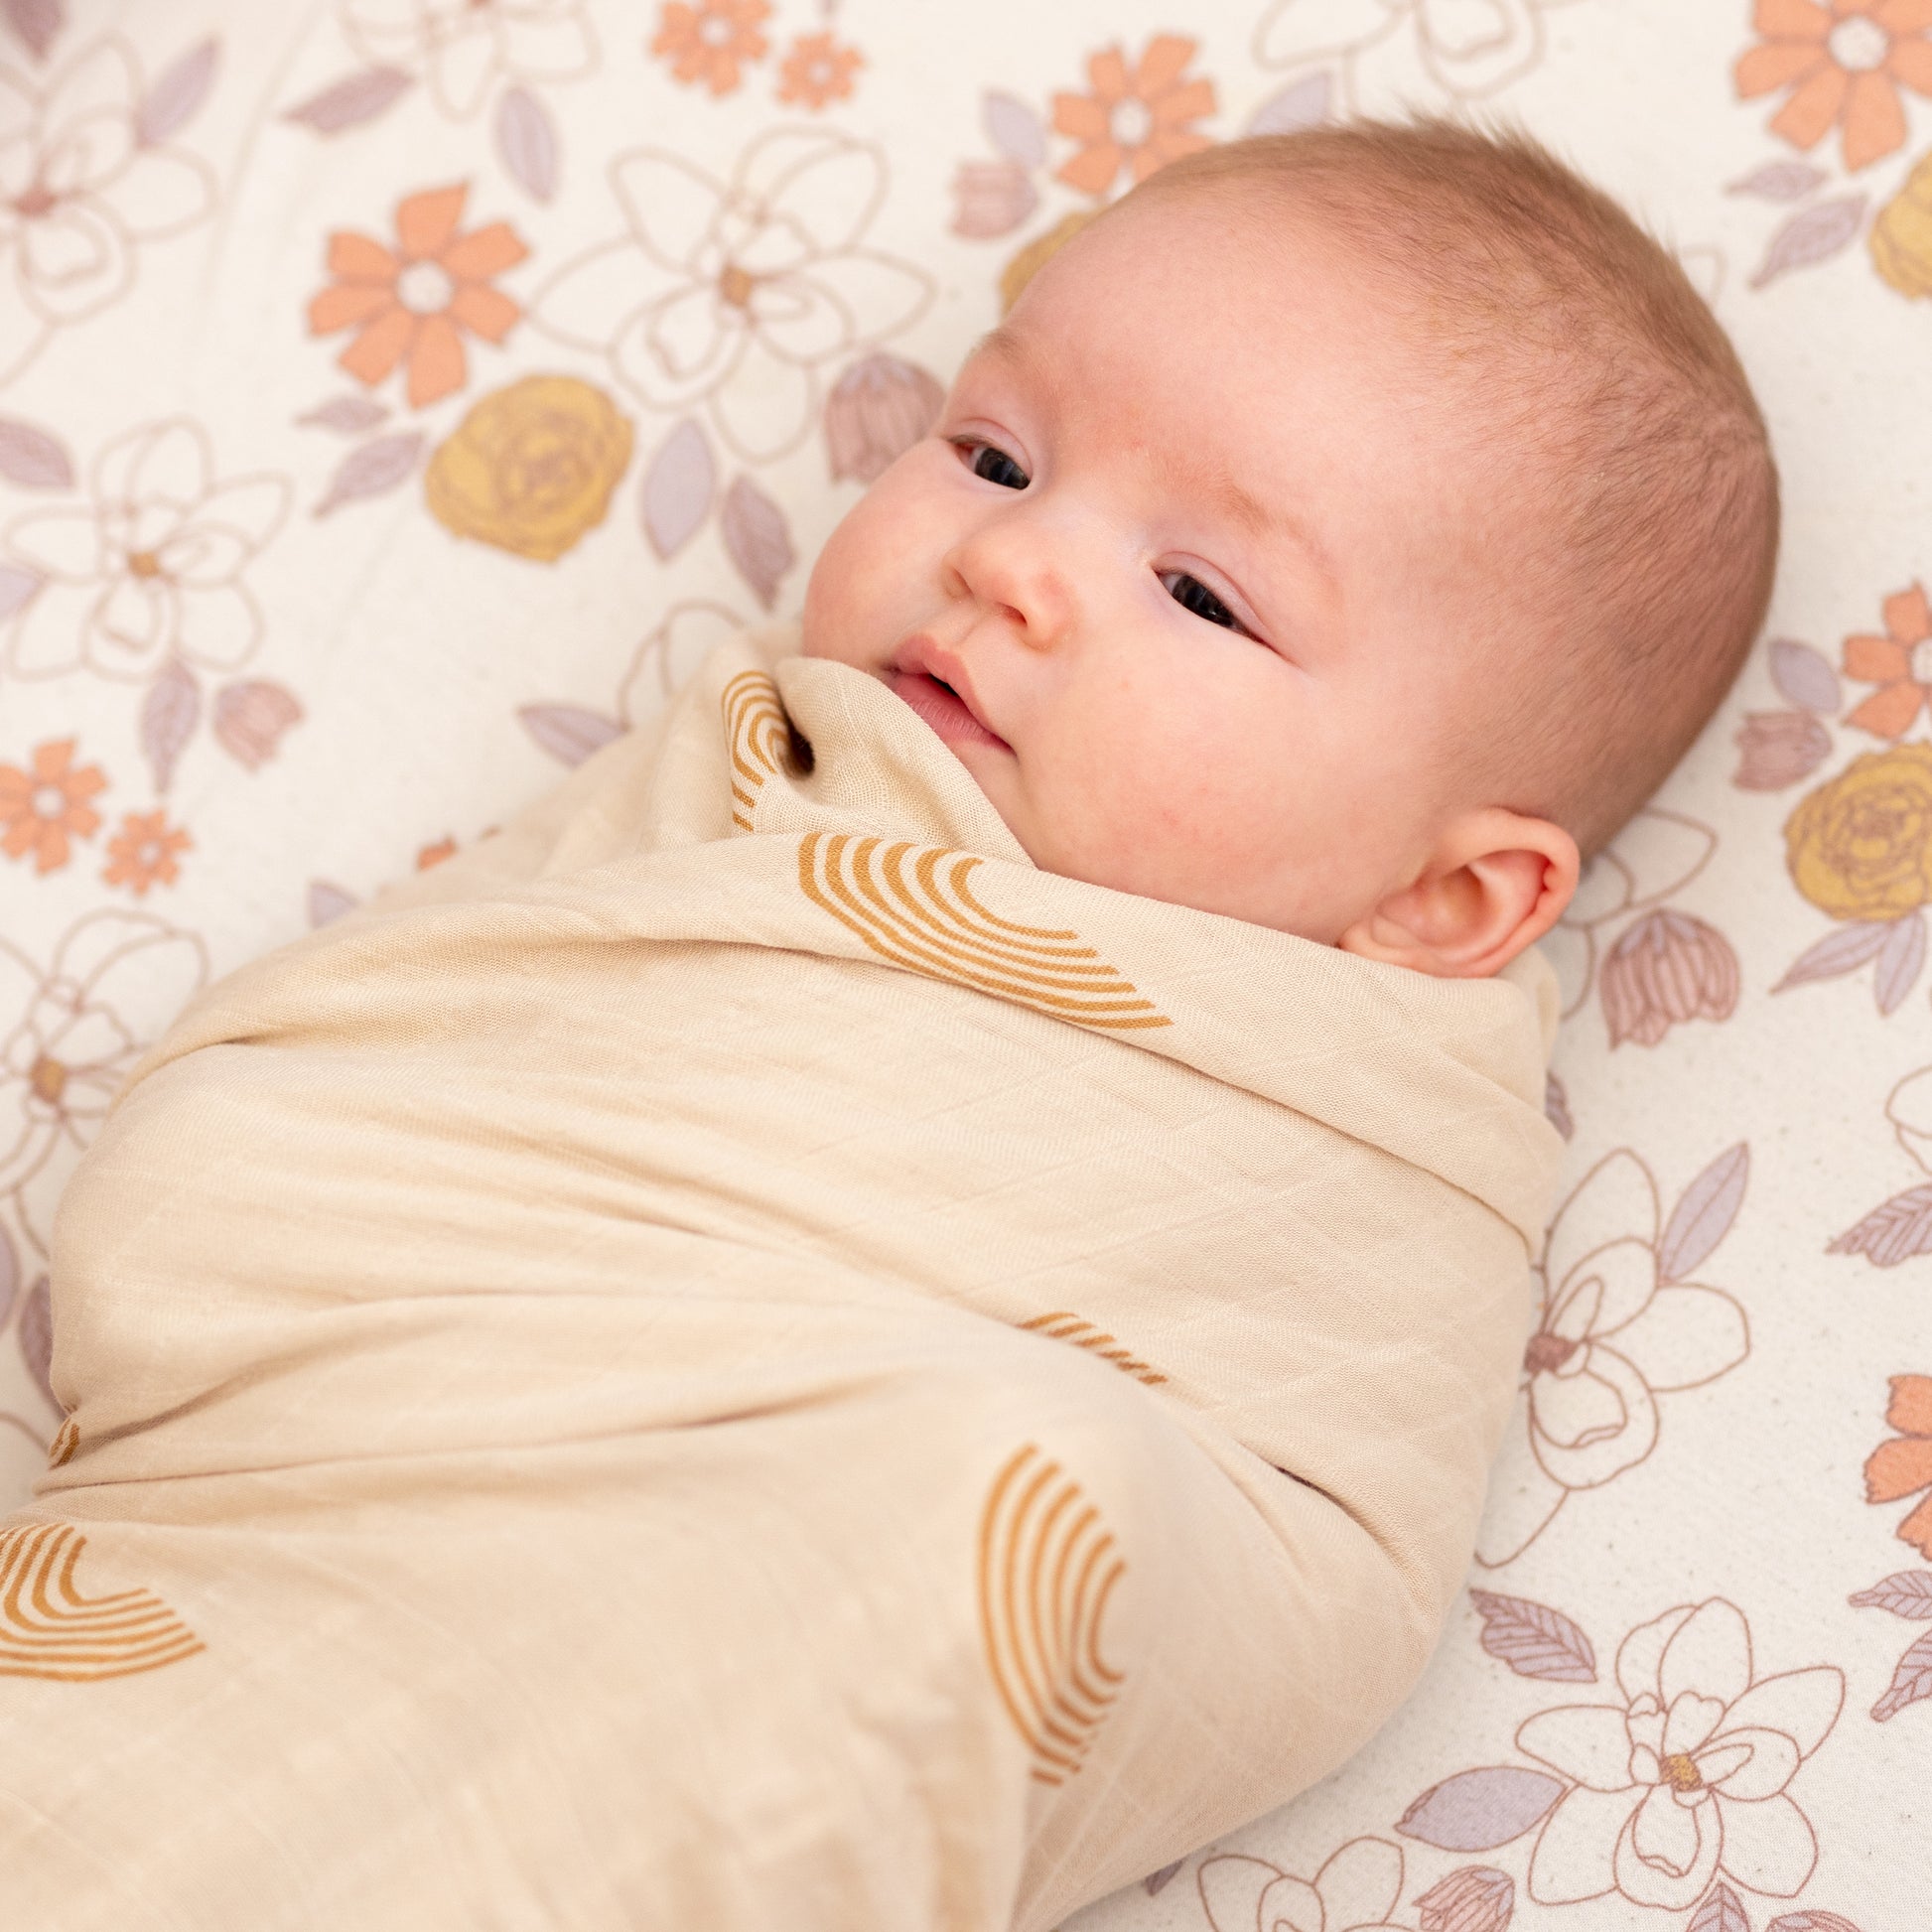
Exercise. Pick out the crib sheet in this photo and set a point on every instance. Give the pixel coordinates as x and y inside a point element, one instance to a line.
<point>397,397</point>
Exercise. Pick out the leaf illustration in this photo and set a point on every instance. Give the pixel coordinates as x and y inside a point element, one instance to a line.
<point>1812,236</point>
<point>1899,961</point>
<point>1892,1233</point>
<point>1301,103</point>
<point>16,587</point>
<point>1477,1899</point>
<point>757,537</point>
<point>677,488</point>
<point>346,415</point>
<point>1842,950</point>
<point>1804,677</point>
<point>1703,1217</point>
<point>1780,180</point>
<point>1911,1681</point>
<point>34,458</point>
<point>527,138</point>
<point>566,732</point>
<point>169,715</point>
<point>327,901</point>
<point>1720,1912</point>
<point>348,102</point>
<point>36,1336</point>
<point>373,469</point>
<point>1908,1593</point>
<point>1534,1641</point>
<point>1014,129</point>
<point>1155,1881</point>
<point>35,22</point>
<point>250,718</point>
<point>172,100</point>
<point>1811,1922</point>
<point>1556,1106</point>
<point>9,1275</point>
<point>1476,1811</point>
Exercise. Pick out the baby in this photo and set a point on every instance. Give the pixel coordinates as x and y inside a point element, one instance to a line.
<point>891,1309</point>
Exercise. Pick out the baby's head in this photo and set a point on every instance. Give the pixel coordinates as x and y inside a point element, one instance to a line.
<point>1344,532</point>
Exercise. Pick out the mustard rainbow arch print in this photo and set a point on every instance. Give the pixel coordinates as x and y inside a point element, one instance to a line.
<point>913,906</point>
<point>759,737</point>
<point>49,1629</point>
<point>1048,1564</point>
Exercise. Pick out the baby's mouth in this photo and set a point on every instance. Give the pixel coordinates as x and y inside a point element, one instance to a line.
<point>942,708</point>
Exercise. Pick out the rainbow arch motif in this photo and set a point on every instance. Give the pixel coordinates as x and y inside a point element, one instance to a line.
<point>759,737</point>
<point>1047,1567</point>
<point>911,904</point>
<point>49,1629</point>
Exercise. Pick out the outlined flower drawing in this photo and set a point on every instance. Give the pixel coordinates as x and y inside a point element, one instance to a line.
<point>412,305</point>
<point>735,293</point>
<point>81,191</point>
<point>1356,1890</point>
<point>1844,63</point>
<point>463,48</point>
<point>1685,1778</point>
<point>151,569</point>
<point>1389,50</point>
<point>1137,116</point>
<point>1619,1325</point>
<point>114,980</point>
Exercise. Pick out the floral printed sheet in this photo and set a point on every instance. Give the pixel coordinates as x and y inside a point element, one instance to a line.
<point>397,396</point>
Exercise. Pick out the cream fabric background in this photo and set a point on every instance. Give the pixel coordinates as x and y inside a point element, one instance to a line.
<point>278,629</point>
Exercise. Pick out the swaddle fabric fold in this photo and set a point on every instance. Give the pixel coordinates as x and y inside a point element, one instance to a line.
<point>740,1349</point>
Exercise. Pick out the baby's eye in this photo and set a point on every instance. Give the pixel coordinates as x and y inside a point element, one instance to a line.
<point>1193,594</point>
<point>996,465</point>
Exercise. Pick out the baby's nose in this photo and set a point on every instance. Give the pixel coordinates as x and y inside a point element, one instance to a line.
<point>1019,576</point>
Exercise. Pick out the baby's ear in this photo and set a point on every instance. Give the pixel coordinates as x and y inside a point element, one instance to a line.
<point>1495,882</point>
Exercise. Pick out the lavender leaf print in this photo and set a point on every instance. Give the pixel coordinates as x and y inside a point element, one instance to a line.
<point>1703,1217</point>
<point>679,484</point>
<point>348,102</point>
<point>1301,103</point>
<point>1818,233</point>
<point>1780,180</point>
<point>1911,1681</point>
<point>373,469</point>
<point>1476,1811</point>
<point>567,732</point>
<point>1842,951</point>
<point>527,138</point>
<point>1720,1912</point>
<point>1908,1595</point>
<point>1804,677</point>
<point>1014,129</point>
<point>169,715</point>
<point>173,100</point>
<point>1901,959</point>
<point>1534,1641</point>
<point>33,458</point>
<point>757,539</point>
<point>1893,1232</point>
<point>329,902</point>
<point>346,415</point>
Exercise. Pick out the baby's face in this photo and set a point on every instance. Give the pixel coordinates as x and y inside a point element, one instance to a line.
<point>1175,576</point>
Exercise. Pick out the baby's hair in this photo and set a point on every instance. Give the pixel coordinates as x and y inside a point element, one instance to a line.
<point>1650,467</point>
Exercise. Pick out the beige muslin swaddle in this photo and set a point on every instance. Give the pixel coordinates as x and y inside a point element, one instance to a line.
<point>740,1356</point>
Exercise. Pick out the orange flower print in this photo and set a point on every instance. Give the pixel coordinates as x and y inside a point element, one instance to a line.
<point>1135,117</point>
<point>1898,663</point>
<point>1903,1465</point>
<point>1844,63</point>
<point>411,304</point>
<point>705,42</point>
<point>817,70</point>
<point>41,809</point>
<point>434,855</point>
<point>142,852</point>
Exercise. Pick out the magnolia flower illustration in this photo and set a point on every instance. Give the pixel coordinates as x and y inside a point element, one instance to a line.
<point>461,47</point>
<point>79,189</point>
<point>1617,1328</point>
<point>69,1034</point>
<point>151,568</point>
<point>735,293</point>
<point>1388,49</point>
<point>1685,1777</point>
<point>1355,1890</point>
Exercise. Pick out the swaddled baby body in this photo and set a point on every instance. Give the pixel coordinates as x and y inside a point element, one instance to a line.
<point>891,1309</point>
